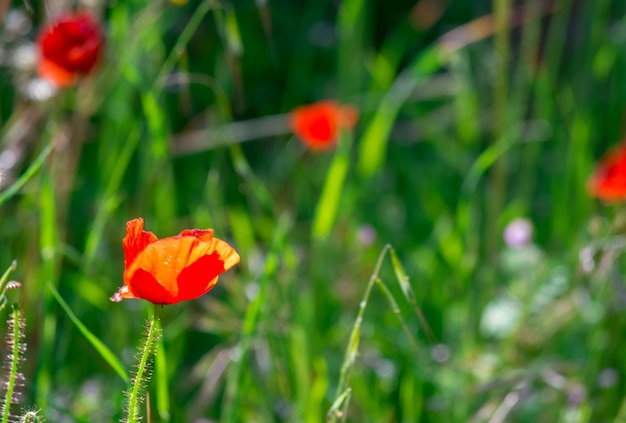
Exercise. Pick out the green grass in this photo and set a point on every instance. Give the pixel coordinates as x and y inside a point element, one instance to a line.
<point>458,135</point>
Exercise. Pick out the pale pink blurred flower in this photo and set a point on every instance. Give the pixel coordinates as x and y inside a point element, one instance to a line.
<point>518,233</point>
<point>366,235</point>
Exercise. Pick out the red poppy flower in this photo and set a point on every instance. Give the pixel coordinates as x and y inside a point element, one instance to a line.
<point>608,181</point>
<point>69,47</point>
<point>173,269</point>
<point>317,124</point>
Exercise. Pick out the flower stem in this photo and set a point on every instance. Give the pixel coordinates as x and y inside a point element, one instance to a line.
<point>146,351</point>
<point>15,357</point>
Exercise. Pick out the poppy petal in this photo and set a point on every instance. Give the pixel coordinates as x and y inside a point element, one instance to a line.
<point>136,240</point>
<point>69,47</point>
<point>55,73</point>
<point>147,287</point>
<point>316,124</point>
<point>200,277</point>
<point>202,234</point>
<point>608,181</point>
<point>173,269</point>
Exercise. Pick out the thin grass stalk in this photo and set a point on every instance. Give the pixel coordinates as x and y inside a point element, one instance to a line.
<point>139,382</point>
<point>353,344</point>
<point>500,102</point>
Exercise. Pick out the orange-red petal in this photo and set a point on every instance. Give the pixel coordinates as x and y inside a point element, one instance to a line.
<point>69,47</point>
<point>316,124</point>
<point>136,240</point>
<point>173,269</point>
<point>608,181</point>
<point>55,73</point>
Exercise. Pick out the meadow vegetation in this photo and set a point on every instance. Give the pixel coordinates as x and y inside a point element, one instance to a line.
<point>443,262</point>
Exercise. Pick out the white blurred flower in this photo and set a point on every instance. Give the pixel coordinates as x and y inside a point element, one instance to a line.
<point>501,317</point>
<point>24,57</point>
<point>39,89</point>
<point>16,24</point>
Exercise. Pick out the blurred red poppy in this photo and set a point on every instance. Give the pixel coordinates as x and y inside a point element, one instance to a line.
<point>608,181</point>
<point>317,124</point>
<point>173,269</point>
<point>69,47</point>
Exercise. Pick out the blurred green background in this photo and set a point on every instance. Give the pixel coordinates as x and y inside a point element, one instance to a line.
<point>473,115</point>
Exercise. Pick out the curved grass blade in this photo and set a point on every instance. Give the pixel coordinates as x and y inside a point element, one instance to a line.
<point>3,283</point>
<point>102,349</point>
<point>374,141</point>
<point>30,172</point>
<point>353,345</point>
<point>340,406</point>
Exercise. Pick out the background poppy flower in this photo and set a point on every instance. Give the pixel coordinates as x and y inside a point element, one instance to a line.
<point>317,124</point>
<point>608,181</point>
<point>69,47</point>
<point>173,269</point>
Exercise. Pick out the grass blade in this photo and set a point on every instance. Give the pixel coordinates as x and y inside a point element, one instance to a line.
<point>3,283</point>
<point>30,172</point>
<point>100,347</point>
<point>330,197</point>
<point>374,141</point>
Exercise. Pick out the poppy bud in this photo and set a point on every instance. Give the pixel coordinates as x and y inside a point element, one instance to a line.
<point>69,47</point>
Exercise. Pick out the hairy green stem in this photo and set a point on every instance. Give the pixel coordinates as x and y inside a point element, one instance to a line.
<point>6,409</point>
<point>139,381</point>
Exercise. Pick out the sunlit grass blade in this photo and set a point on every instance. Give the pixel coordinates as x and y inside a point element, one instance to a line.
<point>48,243</point>
<point>99,346</point>
<point>328,205</point>
<point>162,382</point>
<point>27,175</point>
<point>373,143</point>
<point>486,160</point>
